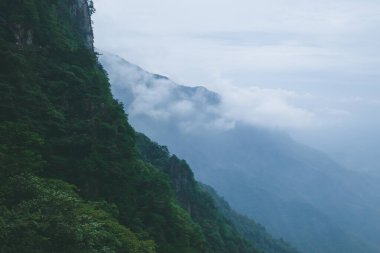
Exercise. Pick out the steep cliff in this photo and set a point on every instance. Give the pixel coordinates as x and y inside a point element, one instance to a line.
<point>60,24</point>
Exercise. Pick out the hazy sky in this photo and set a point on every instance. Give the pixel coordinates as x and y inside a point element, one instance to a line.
<point>312,67</point>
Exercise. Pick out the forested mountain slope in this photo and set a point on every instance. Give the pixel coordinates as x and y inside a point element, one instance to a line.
<point>203,203</point>
<point>71,179</point>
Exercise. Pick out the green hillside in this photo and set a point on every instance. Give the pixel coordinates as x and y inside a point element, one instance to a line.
<point>204,204</point>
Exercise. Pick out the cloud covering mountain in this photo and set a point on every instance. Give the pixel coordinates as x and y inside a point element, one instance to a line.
<point>192,108</point>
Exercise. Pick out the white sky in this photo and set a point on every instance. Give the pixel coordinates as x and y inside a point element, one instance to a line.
<point>325,53</point>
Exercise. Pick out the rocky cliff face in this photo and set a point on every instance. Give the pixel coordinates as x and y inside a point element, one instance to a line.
<point>81,10</point>
<point>25,30</point>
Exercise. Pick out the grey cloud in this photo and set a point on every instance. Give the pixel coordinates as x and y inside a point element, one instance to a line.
<point>194,108</point>
<point>160,98</point>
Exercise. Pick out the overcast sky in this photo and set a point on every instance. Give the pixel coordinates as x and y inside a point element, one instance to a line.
<point>312,65</point>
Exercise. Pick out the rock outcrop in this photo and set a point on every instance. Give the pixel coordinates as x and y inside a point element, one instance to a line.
<point>80,9</point>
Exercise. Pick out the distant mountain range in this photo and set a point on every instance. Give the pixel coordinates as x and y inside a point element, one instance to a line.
<point>298,193</point>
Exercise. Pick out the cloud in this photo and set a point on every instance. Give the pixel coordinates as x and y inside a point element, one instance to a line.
<point>193,108</point>
<point>360,100</point>
<point>265,107</point>
<point>157,97</point>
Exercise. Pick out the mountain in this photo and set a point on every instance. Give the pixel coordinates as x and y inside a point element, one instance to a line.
<point>251,230</point>
<point>298,193</point>
<point>196,199</point>
<point>71,176</point>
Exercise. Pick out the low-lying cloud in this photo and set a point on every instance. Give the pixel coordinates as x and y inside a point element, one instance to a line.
<point>192,108</point>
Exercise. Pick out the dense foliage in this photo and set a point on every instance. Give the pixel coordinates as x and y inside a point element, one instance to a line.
<point>70,178</point>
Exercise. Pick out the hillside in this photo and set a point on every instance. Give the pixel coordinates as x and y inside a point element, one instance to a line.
<point>202,202</point>
<point>296,192</point>
<point>71,177</point>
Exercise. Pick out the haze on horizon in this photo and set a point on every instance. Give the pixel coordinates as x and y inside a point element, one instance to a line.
<point>313,65</point>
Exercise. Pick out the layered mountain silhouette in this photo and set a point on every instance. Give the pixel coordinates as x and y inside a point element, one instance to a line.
<point>298,193</point>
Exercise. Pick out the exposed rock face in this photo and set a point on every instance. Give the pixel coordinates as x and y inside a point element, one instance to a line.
<point>81,11</point>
